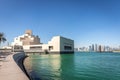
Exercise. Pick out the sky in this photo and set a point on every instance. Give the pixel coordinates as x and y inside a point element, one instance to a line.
<point>85,21</point>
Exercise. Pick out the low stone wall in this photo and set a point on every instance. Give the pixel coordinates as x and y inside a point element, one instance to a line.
<point>19,59</point>
<point>5,50</point>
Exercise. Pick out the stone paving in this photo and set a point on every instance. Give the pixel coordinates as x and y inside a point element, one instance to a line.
<point>9,70</point>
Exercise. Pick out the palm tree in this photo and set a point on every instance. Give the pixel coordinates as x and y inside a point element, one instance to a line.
<point>2,37</point>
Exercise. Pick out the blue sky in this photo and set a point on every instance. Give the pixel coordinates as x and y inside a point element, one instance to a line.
<point>84,21</point>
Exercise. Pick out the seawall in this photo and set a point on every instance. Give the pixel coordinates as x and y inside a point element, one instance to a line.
<point>9,70</point>
<point>19,59</point>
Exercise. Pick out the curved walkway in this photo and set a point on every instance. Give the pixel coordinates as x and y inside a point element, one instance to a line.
<point>9,70</point>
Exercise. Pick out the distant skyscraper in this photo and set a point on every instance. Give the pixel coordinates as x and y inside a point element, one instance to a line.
<point>99,48</point>
<point>96,47</point>
<point>92,47</point>
<point>102,48</point>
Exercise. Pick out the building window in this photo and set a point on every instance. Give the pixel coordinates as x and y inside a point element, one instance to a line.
<point>67,48</point>
<point>36,47</point>
<point>50,47</point>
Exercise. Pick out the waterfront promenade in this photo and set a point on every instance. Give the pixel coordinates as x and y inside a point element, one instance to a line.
<point>9,70</point>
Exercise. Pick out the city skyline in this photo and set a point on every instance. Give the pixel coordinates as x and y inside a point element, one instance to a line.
<point>98,48</point>
<point>84,21</point>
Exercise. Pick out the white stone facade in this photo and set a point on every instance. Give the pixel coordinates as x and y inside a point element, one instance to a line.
<point>26,39</point>
<point>57,44</point>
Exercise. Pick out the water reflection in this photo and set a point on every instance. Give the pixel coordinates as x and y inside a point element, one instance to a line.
<point>51,65</point>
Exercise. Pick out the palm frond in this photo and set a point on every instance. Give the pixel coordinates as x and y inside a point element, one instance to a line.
<point>2,37</point>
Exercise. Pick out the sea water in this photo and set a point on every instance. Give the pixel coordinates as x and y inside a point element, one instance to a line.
<point>77,66</point>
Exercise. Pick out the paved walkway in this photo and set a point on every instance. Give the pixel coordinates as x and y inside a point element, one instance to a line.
<point>9,70</point>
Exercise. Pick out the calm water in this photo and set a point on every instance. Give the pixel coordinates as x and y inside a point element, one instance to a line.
<point>78,66</point>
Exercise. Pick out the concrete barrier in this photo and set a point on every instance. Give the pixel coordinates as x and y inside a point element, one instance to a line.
<point>19,59</point>
<point>9,70</point>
